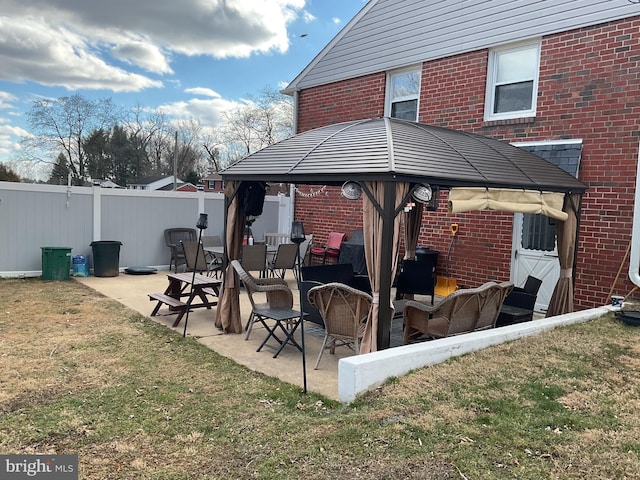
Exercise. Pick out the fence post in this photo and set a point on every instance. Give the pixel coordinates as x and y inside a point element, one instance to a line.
<point>97,212</point>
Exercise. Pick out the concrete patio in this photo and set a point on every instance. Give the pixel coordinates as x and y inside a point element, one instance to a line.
<point>342,376</point>
<point>132,290</point>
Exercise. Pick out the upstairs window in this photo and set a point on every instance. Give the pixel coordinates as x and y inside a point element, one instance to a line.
<point>512,82</point>
<point>403,91</point>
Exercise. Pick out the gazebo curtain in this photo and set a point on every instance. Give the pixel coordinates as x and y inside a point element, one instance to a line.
<point>412,223</point>
<point>228,311</point>
<point>372,222</point>
<point>562,299</point>
<point>466,199</point>
<point>228,316</point>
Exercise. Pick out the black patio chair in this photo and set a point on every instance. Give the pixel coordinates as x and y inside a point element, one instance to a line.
<point>172,238</point>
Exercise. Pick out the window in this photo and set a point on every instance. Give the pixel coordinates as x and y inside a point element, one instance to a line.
<point>403,91</point>
<point>538,232</point>
<point>512,82</point>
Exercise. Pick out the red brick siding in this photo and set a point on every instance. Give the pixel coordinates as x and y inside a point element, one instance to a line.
<point>588,89</point>
<point>341,102</point>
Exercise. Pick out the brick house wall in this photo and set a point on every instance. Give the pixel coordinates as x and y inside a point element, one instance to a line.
<point>588,89</point>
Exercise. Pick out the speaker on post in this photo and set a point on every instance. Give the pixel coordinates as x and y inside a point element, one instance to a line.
<point>252,199</point>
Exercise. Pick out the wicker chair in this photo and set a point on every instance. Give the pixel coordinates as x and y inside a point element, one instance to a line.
<point>264,294</point>
<point>344,311</point>
<point>493,301</point>
<point>463,311</point>
<point>520,303</point>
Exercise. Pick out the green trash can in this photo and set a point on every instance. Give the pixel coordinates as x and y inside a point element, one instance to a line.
<point>106,258</point>
<point>56,263</point>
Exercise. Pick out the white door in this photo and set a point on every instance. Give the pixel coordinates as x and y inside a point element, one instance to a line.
<point>535,253</point>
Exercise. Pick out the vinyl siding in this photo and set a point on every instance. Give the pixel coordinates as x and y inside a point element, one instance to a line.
<point>389,34</point>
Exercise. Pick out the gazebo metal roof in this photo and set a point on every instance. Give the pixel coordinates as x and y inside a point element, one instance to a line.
<point>389,148</point>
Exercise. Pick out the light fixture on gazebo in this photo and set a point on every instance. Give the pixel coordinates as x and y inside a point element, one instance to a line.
<point>428,195</point>
<point>351,190</point>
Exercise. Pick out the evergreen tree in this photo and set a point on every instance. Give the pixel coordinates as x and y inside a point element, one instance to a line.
<point>7,174</point>
<point>60,171</point>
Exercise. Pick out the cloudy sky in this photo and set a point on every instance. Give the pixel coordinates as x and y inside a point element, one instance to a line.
<point>189,57</point>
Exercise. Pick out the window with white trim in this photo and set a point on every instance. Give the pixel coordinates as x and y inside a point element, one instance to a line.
<point>403,91</point>
<point>512,82</point>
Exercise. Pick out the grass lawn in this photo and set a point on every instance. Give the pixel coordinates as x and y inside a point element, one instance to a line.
<point>82,374</point>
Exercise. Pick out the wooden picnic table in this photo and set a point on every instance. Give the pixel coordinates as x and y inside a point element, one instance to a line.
<point>188,285</point>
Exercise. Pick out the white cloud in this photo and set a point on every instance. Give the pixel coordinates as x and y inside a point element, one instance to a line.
<point>9,134</point>
<point>87,45</point>
<point>209,112</point>
<point>142,54</point>
<point>32,50</point>
<point>203,92</point>
<point>10,138</point>
<point>308,17</point>
<point>336,21</point>
<point>5,100</point>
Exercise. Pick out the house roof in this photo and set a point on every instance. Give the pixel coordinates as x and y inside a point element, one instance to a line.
<point>390,34</point>
<point>212,176</point>
<point>399,150</point>
<point>180,184</point>
<point>148,179</point>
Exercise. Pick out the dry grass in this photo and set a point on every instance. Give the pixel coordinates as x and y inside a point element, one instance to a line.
<point>83,374</point>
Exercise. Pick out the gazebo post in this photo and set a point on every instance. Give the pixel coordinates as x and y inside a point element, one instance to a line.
<point>385,312</point>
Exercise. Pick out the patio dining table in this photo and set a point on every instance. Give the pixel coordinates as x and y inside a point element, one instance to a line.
<point>188,285</point>
<point>218,252</point>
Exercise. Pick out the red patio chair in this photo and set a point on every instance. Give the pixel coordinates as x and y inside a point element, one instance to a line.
<point>330,250</point>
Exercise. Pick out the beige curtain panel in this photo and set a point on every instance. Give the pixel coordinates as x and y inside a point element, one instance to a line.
<point>507,200</point>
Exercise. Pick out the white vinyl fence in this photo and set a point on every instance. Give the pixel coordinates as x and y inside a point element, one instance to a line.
<point>34,216</point>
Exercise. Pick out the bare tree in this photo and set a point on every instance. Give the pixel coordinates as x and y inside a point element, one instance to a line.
<point>61,125</point>
<point>261,121</point>
<point>141,129</point>
<point>191,153</point>
<point>214,154</point>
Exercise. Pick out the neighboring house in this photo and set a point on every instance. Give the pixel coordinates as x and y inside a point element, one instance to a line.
<point>181,187</point>
<point>561,79</point>
<point>213,183</point>
<point>97,182</point>
<point>153,182</point>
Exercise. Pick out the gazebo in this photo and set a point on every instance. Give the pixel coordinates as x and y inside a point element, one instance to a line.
<point>391,160</point>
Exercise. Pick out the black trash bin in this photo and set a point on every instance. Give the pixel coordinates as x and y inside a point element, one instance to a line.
<point>106,258</point>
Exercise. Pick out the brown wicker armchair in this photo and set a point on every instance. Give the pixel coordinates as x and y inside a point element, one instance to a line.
<point>264,294</point>
<point>344,311</point>
<point>463,311</point>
